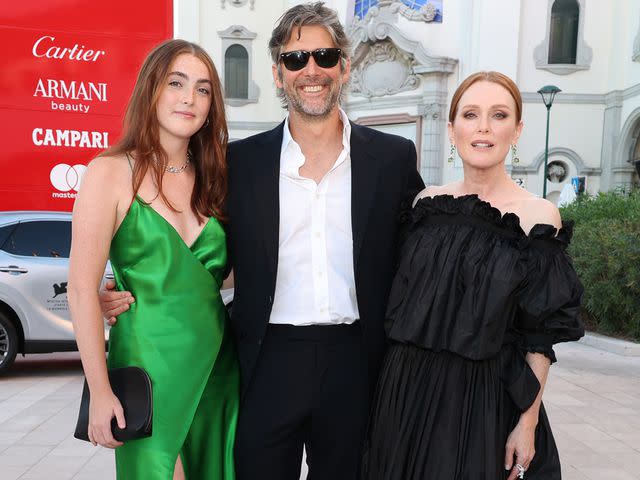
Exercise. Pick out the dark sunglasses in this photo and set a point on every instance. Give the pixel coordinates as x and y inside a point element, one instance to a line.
<point>298,59</point>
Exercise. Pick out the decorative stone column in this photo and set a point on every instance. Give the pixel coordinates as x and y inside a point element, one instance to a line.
<point>433,134</point>
<point>610,143</point>
<point>618,143</point>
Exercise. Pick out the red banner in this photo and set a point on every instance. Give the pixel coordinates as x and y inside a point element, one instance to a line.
<point>71,66</point>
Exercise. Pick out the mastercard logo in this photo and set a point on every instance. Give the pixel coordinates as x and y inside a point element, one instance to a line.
<point>65,178</point>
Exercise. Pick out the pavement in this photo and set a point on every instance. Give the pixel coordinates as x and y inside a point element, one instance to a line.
<point>592,398</point>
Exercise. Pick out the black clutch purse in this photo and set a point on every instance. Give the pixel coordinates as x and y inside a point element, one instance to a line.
<point>132,386</point>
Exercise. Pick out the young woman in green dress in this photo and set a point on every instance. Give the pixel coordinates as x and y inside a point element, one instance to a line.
<point>153,205</point>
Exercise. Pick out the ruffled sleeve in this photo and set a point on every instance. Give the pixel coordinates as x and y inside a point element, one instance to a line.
<point>550,300</point>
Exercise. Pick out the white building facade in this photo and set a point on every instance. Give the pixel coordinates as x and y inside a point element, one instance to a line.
<point>409,56</point>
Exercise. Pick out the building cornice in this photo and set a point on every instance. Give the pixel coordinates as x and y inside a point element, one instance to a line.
<point>610,99</point>
<point>354,103</point>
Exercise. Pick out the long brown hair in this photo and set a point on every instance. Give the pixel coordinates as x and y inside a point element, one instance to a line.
<point>493,77</point>
<point>208,146</point>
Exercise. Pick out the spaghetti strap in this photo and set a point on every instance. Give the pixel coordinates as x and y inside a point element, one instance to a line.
<point>126,154</point>
<point>133,198</point>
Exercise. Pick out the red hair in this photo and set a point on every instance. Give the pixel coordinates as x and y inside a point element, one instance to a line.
<point>493,77</point>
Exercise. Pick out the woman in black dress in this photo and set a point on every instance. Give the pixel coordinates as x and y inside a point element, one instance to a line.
<point>483,290</point>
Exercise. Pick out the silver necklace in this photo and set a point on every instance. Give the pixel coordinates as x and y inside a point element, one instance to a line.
<point>181,168</point>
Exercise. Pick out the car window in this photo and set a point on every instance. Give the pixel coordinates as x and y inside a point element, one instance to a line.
<point>5,232</point>
<point>40,239</point>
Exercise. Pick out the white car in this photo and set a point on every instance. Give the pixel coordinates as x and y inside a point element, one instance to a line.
<point>34,261</point>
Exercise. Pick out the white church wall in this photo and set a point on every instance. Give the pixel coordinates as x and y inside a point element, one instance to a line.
<point>578,127</point>
<point>624,72</point>
<point>497,45</point>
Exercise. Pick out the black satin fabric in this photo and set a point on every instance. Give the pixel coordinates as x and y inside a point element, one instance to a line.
<point>472,295</point>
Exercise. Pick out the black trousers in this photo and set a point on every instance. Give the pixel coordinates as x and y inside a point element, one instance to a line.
<point>309,389</point>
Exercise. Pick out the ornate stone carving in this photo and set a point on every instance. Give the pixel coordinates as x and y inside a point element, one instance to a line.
<point>380,24</point>
<point>427,13</point>
<point>238,3</point>
<point>237,32</point>
<point>430,110</point>
<point>383,71</point>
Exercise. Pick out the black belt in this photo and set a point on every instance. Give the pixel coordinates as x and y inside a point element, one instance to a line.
<point>314,332</point>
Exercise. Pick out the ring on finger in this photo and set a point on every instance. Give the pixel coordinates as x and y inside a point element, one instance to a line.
<point>521,470</point>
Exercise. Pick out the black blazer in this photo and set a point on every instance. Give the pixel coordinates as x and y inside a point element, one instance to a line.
<point>383,174</point>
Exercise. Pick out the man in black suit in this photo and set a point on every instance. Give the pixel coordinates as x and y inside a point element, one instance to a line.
<point>313,207</point>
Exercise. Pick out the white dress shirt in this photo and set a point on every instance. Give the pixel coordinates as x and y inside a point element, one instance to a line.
<point>315,283</point>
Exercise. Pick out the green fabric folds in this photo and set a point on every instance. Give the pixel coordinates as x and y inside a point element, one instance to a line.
<point>177,330</point>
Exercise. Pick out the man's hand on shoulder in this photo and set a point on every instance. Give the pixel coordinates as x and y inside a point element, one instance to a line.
<point>113,303</point>
<point>431,191</point>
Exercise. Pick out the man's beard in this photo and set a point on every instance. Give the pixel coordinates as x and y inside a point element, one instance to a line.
<point>313,111</point>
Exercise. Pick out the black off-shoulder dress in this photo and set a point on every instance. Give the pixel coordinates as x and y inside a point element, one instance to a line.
<point>473,294</point>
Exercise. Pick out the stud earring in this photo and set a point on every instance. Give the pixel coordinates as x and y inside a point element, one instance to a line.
<point>452,154</point>
<point>515,160</point>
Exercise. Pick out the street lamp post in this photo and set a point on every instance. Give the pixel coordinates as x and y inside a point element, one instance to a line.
<point>548,93</point>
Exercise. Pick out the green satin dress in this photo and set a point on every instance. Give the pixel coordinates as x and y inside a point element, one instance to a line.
<point>177,330</point>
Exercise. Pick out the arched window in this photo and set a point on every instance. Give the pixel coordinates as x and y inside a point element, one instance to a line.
<point>237,51</point>
<point>563,35</point>
<point>563,50</point>
<point>236,72</point>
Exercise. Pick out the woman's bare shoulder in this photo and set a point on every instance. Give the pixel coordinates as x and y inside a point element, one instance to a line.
<point>107,177</point>
<point>110,164</point>
<point>533,210</point>
<point>114,170</point>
